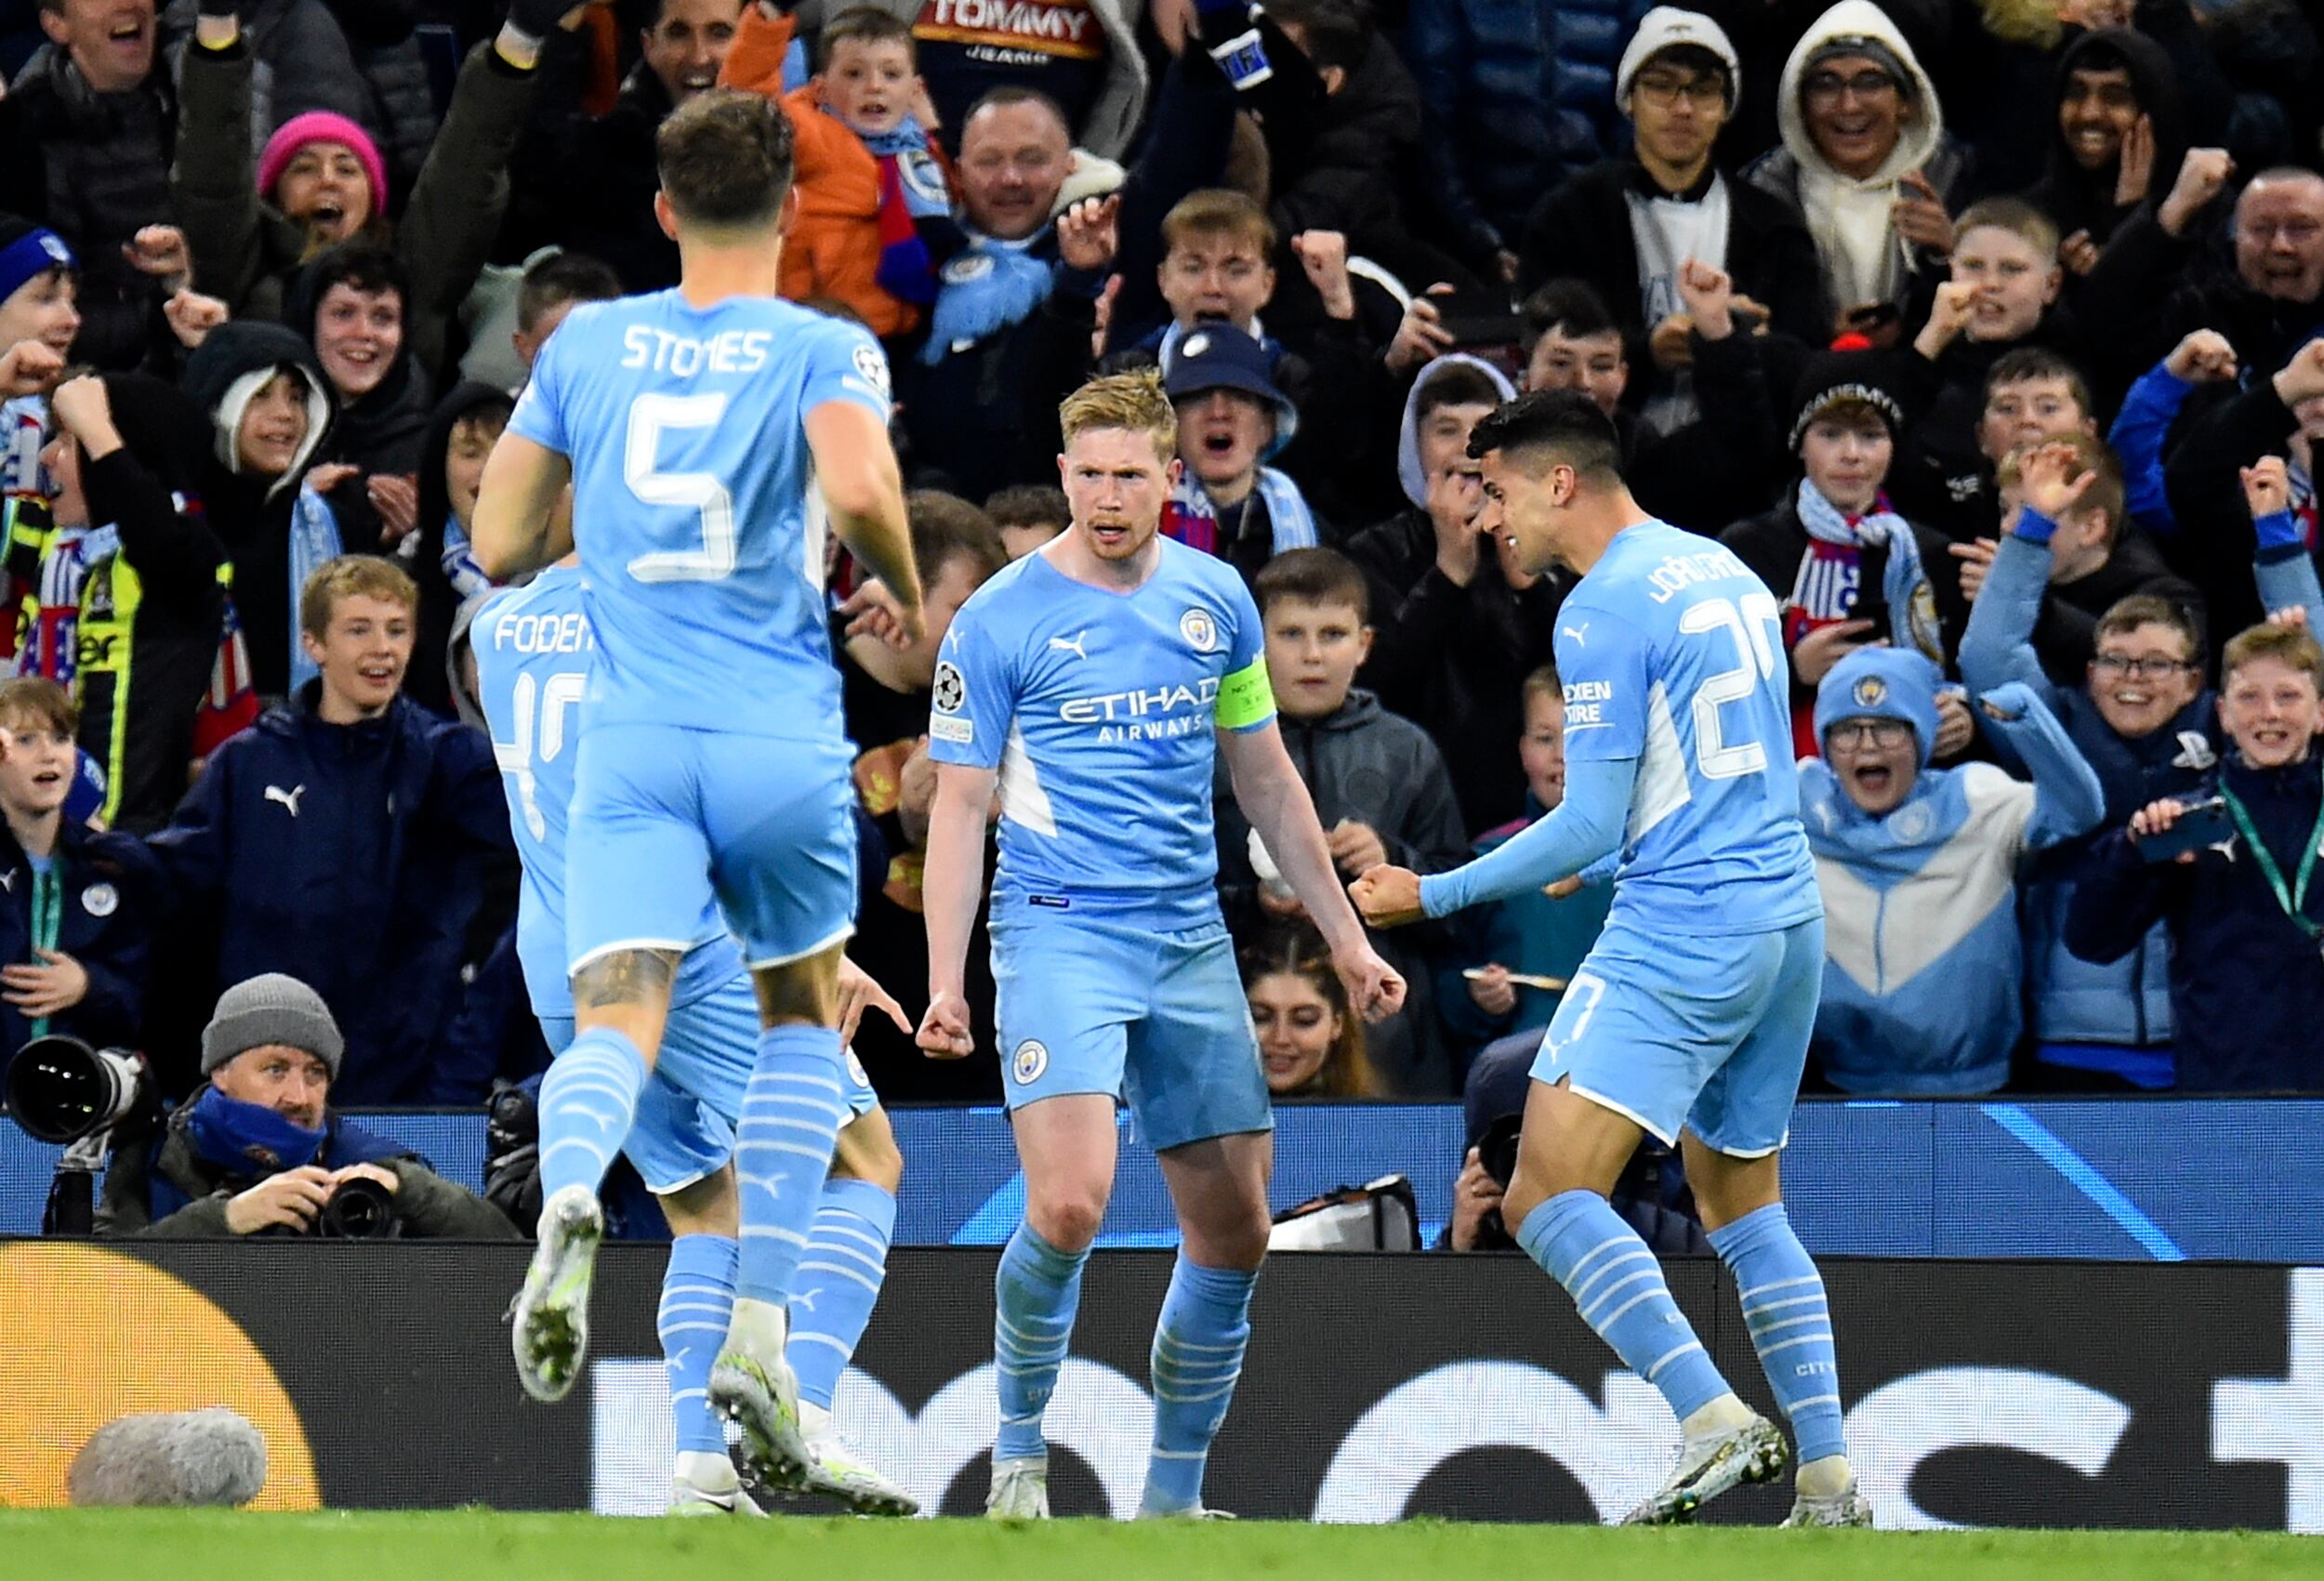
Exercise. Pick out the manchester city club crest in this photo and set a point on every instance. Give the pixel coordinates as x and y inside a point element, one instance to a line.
<point>951,690</point>
<point>1200,631</point>
<point>1869,692</point>
<point>100,900</point>
<point>1027,1063</point>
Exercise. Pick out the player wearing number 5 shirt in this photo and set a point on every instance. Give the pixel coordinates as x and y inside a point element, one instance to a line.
<point>710,433</point>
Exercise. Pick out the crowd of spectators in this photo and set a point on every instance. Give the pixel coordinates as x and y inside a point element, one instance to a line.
<point>1989,334</point>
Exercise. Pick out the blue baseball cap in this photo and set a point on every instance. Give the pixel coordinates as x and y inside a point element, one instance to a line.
<point>1219,356</point>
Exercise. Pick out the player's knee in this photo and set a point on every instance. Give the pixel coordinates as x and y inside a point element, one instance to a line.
<point>1241,1245</point>
<point>869,1152</point>
<point>1527,1191</point>
<point>1068,1220</point>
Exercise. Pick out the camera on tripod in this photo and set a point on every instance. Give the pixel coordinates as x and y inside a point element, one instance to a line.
<point>60,1089</point>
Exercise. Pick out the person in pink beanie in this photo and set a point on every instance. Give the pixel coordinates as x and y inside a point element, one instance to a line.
<point>323,172</point>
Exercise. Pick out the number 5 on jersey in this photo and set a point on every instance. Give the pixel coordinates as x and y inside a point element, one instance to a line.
<point>1755,622</point>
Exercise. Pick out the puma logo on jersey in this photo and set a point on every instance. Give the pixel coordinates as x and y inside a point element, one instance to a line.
<point>287,797</point>
<point>1073,646</point>
<point>1575,632</point>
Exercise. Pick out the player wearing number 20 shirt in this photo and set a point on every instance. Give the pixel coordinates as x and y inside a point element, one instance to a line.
<point>702,558</point>
<point>1670,653</point>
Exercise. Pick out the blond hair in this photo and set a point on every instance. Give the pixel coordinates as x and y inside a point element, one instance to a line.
<point>353,576</point>
<point>2289,644</point>
<point>1132,402</point>
<point>2015,216</point>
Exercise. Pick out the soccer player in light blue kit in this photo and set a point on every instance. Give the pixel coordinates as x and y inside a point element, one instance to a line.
<point>533,649</point>
<point>1098,681</point>
<point>1690,1017</point>
<point>708,433</point>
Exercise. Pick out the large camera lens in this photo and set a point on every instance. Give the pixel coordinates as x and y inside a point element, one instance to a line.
<point>359,1210</point>
<point>61,1089</point>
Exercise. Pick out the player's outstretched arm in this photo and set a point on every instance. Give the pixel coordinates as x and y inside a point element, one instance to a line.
<point>518,526</point>
<point>1269,790</point>
<point>863,488</point>
<point>1586,826</point>
<point>951,885</point>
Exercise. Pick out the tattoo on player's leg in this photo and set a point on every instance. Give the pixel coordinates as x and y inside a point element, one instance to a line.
<point>625,977</point>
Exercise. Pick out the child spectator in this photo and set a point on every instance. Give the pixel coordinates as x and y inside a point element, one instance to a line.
<point>347,840</point>
<point>2143,426</point>
<point>2031,393</point>
<point>1530,935</point>
<point>38,321</point>
<point>1451,630</point>
<point>351,303</point>
<point>2096,558</point>
<point>1380,791</point>
<point>459,439</point>
<point>1923,970</point>
<point>549,290</point>
<point>1575,344</point>
<point>125,601</point>
<point>1846,567</point>
<point>2247,980</point>
<point>76,906</point>
<point>869,177</point>
<point>1309,1044</point>
<point>271,408</point>
<point>1028,514</point>
<point>2001,298</point>
<point>2143,722</point>
<point>1231,420</point>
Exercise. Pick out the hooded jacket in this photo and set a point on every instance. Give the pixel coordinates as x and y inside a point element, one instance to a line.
<point>140,600</point>
<point>2083,200</point>
<point>1862,259</point>
<point>251,514</point>
<point>1364,764</point>
<point>352,857</point>
<point>1451,657</point>
<point>380,430</point>
<point>1922,959</point>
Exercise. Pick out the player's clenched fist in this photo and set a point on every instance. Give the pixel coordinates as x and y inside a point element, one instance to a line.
<point>1374,988</point>
<point>944,1030</point>
<point>1386,897</point>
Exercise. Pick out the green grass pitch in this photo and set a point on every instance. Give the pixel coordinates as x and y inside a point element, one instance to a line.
<point>476,1545</point>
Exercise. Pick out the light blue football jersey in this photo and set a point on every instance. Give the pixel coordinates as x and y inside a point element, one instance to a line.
<point>694,511</point>
<point>534,648</point>
<point>1671,653</point>
<point>1097,709</point>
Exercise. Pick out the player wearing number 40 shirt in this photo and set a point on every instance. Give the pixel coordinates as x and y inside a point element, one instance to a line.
<point>1690,1017</point>
<point>1099,680</point>
<point>534,647</point>
<point>708,433</point>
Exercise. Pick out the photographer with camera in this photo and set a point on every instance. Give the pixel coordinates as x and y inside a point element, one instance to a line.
<point>257,1151</point>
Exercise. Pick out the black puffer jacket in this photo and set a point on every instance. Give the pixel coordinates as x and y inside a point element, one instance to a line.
<point>94,167</point>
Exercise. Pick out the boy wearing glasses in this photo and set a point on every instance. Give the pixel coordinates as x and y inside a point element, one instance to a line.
<point>1923,965</point>
<point>2145,725</point>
